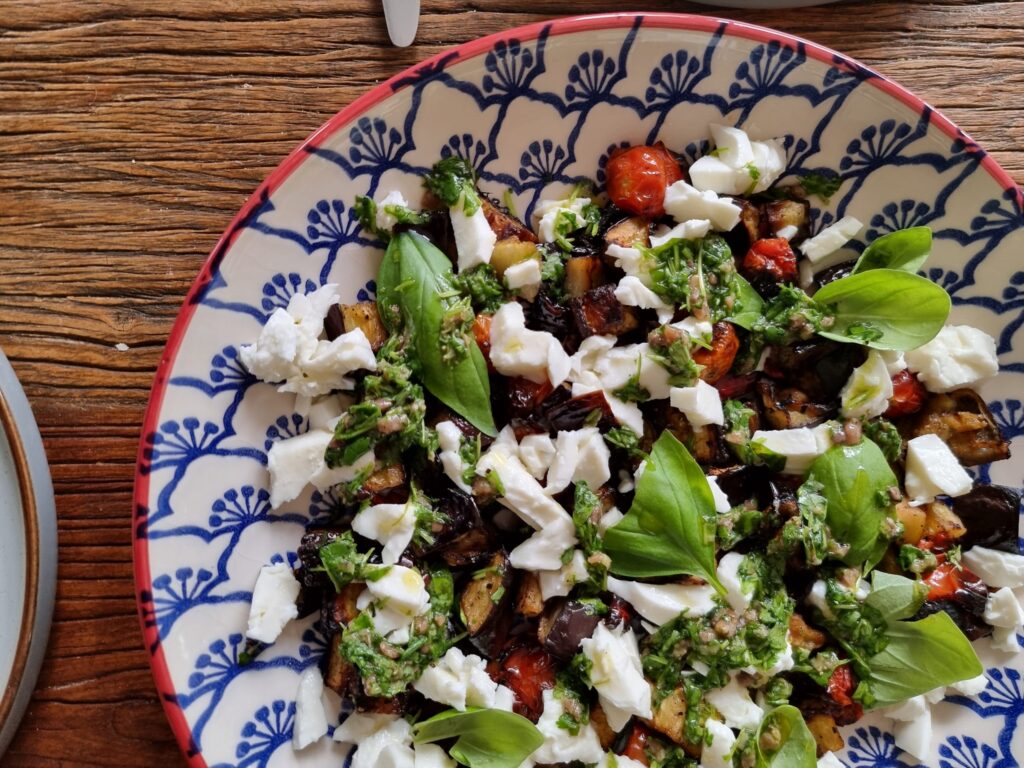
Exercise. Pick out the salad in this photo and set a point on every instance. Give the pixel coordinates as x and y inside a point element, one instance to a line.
<point>662,479</point>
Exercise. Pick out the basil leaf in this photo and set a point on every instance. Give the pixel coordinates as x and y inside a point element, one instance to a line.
<point>855,479</point>
<point>412,279</point>
<point>785,726</point>
<point>747,304</point>
<point>921,656</point>
<point>884,309</point>
<point>905,249</point>
<point>669,528</point>
<point>485,738</point>
<point>895,597</point>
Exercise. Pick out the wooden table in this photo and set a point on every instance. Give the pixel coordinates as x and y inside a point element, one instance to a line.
<point>131,132</point>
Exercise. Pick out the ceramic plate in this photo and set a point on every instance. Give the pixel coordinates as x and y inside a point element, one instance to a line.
<point>28,552</point>
<point>533,109</point>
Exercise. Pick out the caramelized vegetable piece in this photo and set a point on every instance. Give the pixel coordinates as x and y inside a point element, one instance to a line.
<point>525,397</point>
<point>505,225</point>
<point>583,273</point>
<point>717,360</point>
<point>779,214</point>
<point>819,367</point>
<point>564,624</point>
<point>509,252</point>
<point>770,259</point>
<point>599,313</point>
<point>963,421</point>
<point>802,635</point>
<point>529,601</point>
<point>576,412</point>
<point>636,744</point>
<point>637,178</point>
<point>826,734</point>
<point>387,484</point>
<point>470,548</point>
<point>942,526</point>
<point>528,671</point>
<point>487,595</point>
<point>961,594</point>
<point>670,720</point>
<point>705,443</point>
<point>908,395</point>
<point>992,516</point>
<point>629,233</point>
<point>751,223</point>
<point>482,334</point>
<point>788,407</point>
<point>913,520</point>
<point>341,676</point>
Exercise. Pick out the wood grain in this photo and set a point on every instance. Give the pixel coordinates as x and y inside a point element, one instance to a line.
<point>131,132</point>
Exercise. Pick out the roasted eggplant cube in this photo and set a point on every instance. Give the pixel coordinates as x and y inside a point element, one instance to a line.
<point>670,720</point>
<point>964,422</point>
<point>471,548</point>
<point>599,313</point>
<point>779,214</point>
<point>818,368</point>
<point>312,570</point>
<point>487,595</point>
<point>564,624</point>
<point>789,407</point>
<point>576,412</point>
<point>340,676</point>
<point>504,225</point>
<point>529,600</point>
<point>629,233</point>
<point>992,516</point>
<point>364,316</point>
<point>582,274</point>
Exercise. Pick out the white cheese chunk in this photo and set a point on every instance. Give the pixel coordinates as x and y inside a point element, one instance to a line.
<point>432,756</point>
<point>739,594</point>
<point>310,717</point>
<point>699,331</point>
<point>734,704</point>
<point>866,394</point>
<point>273,602</point>
<point>297,461</point>
<point>382,740</point>
<point>631,261</point>
<point>560,746</point>
<point>385,220</point>
<point>817,598</point>
<point>959,356</point>
<point>822,250</point>
<point>694,229</point>
<point>788,232</point>
<point>474,238</point>
<point>800,446</point>
<point>995,567</point>
<point>328,366</point>
<point>684,202</point>
<point>289,336</point>
<point>972,686</point>
<point>390,524</point>
<point>895,361</point>
<point>829,760</point>
<point>617,676</point>
<point>700,403</point>
<point>544,549</point>
<point>459,680</point>
<point>401,589</point>
<point>524,277</point>
<point>912,727</point>
<point>738,166</point>
<point>581,455</point>
<point>560,583</point>
<point>732,145</point>
<point>449,438</point>
<point>1004,610</point>
<point>548,213</point>
<point>621,365</point>
<point>536,452</point>
<point>518,351</point>
<point>933,469</point>
<point>661,603</point>
<point>324,412</point>
<point>612,517</point>
<point>627,414</point>
<point>716,754</point>
<point>722,504</point>
<point>631,292</point>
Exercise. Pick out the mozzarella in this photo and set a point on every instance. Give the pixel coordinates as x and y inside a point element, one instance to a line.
<point>933,469</point>
<point>716,753</point>
<point>548,212</point>
<point>449,438</point>
<point>580,456</point>
<point>699,331</point>
<point>273,602</point>
<point>913,726</point>
<point>400,589</point>
<point>620,364</point>
<point>739,594</point>
<point>612,517</point>
<point>895,361</point>
<point>518,351</point>
<point>734,704</point>
<point>459,681</point>
<point>822,250</point>
<point>474,238</point>
<point>866,393</point>
<point>617,676</point>
<point>829,760</point>
<point>385,220</point>
<point>524,277</point>
<point>544,549</point>
<point>972,686</point>
<point>560,583</point>
<point>323,414</point>
<point>800,446</point>
<point>816,598</point>
<point>995,567</point>
<point>390,524</point>
<point>661,603</point>
<point>432,756</point>
<point>328,366</point>
<point>631,292</point>
<point>310,717</point>
<point>732,145</point>
<point>739,165</point>
<point>722,504</point>
<point>536,453</point>
<point>694,229</point>
<point>1004,612</point>
<point>959,356</point>
<point>627,414</point>
<point>297,461</point>
<point>684,202</point>
<point>560,746</point>
<point>383,740</point>
<point>788,232</point>
<point>632,261</point>
<point>700,403</point>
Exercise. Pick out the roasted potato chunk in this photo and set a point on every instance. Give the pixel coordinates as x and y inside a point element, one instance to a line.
<point>582,274</point>
<point>826,734</point>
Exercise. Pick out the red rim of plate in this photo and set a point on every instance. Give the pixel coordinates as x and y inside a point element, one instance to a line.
<point>448,57</point>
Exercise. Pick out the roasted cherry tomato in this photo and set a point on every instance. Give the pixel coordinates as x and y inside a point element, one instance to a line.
<point>525,396</point>
<point>841,685</point>
<point>528,672</point>
<point>908,395</point>
<point>636,745</point>
<point>731,387</point>
<point>638,176</point>
<point>719,358</point>
<point>482,334</point>
<point>771,256</point>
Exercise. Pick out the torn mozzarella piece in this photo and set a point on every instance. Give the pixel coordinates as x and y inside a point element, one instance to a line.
<point>380,740</point>
<point>959,356</point>
<point>400,589</point>
<point>536,453</point>
<point>544,549</point>
<point>716,754</point>
<point>474,238</point>
<point>548,213</point>
<point>995,567</point>
<point>330,363</point>
<point>734,704</point>
<point>621,365</point>
<point>524,277</point>
<point>694,229</point>
<point>390,524</point>
<point>631,292</point>
<point>617,676</point>
<point>912,726</point>
<point>1005,613</point>
<point>273,602</point>
<point>631,261</point>
<point>684,202</point>
<point>701,403</point>
<point>800,446</point>
<point>738,166</point>
<point>461,680</point>
<point>580,456</point>
<point>699,331</point>
<point>310,717</point>
<point>560,746</point>
<point>611,518</point>
<point>722,504</point>
<point>932,469</point>
<point>822,250</point>
<point>560,583</point>
<point>384,220</point>
<point>739,594</point>
<point>449,438</point>
<point>661,603</point>
<point>297,461</point>
<point>866,394</point>
<point>518,351</point>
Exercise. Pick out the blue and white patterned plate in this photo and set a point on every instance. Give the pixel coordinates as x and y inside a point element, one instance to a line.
<point>534,110</point>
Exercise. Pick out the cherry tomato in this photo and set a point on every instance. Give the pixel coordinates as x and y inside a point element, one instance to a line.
<point>528,672</point>
<point>637,178</point>
<point>772,256</point>
<point>636,745</point>
<point>719,358</point>
<point>841,685</point>
<point>482,334</point>
<point>908,395</point>
<point>731,387</point>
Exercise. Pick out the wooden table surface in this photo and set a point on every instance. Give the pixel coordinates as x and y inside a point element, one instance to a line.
<point>132,131</point>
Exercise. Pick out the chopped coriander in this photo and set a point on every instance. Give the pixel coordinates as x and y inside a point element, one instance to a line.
<point>452,179</point>
<point>482,286</point>
<point>916,561</point>
<point>625,439</point>
<point>885,435</point>
<point>821,185</point>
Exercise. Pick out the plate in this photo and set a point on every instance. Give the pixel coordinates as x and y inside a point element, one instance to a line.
<point>28,552</point>
<point>533,109</point>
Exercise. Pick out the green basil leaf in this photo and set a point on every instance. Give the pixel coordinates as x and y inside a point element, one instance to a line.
<point>884,309</point>
<point>785,726</point>
<point>921,656</point>
<point>747,304</point>
<point>905,249</point>
<point>485,738</point>
<point>895,597</point>
<point>412,278</point>
<point>855,479</point>
<point>668,529</point>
